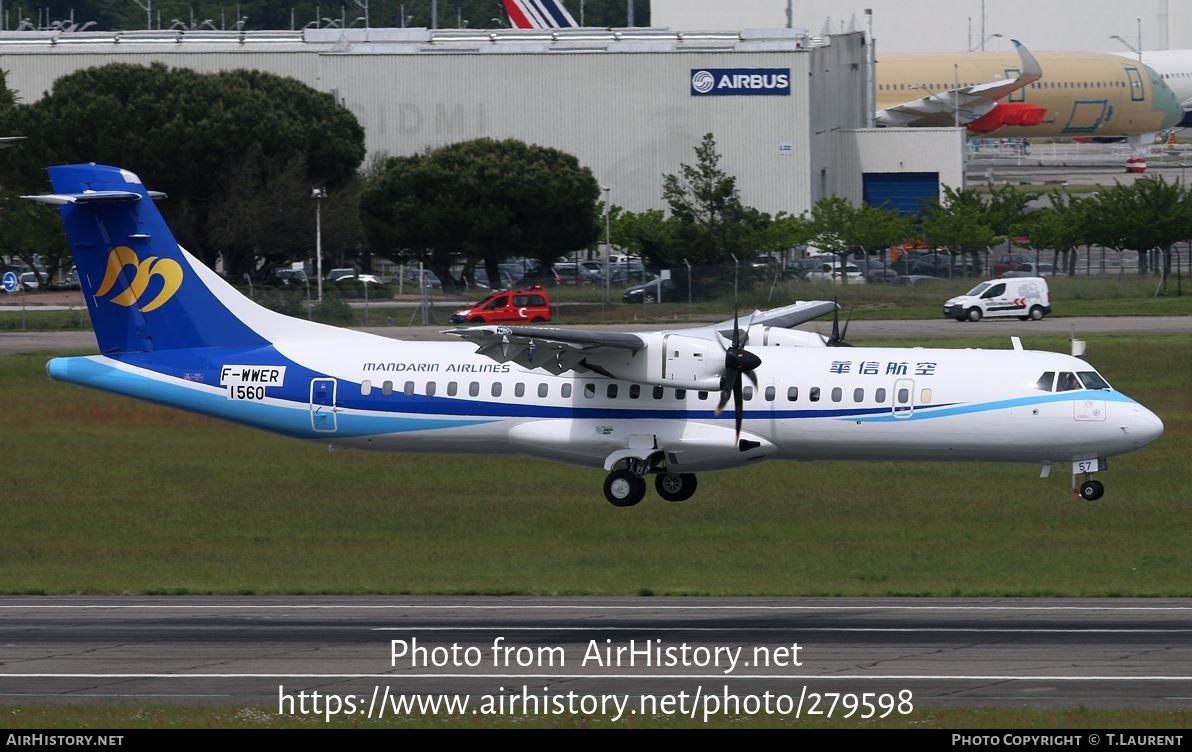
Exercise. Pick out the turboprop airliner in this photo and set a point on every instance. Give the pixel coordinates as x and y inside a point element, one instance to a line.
<point>636,404</point>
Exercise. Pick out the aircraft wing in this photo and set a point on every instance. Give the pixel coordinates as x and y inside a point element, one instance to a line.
<point>971,102</point>
<point>783,318</point>
<point>612,354</point>
<point>550,348</point>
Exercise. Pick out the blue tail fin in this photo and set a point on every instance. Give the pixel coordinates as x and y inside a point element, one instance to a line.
<point>143,291</point>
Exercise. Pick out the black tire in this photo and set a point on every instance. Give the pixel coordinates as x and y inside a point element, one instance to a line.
<point>973,314</point>
<point>537,320</point>
<point>623,488</point>
<point>1091,490</point>
<point>1036,313</point>
<point>477,320</point>
<point>675,486</point>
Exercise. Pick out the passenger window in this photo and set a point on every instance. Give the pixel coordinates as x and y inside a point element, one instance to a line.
<point>813,394</point>
<point>543,389</point>
<point>611,391</point>
<point>769,394</point>
<point>452,388</point>
<point>589,391</point>
<point>747,393</point>
<point>474,389</point>
<point>409,389</point>
<point>519,389</point>
<point>879,395</point>
<point>680,394</point>
<point>366,387</point>
<point>496,389</point>
<point>925,396</point>
<point>387,388</point>
<point>430,389</point>
<point>1045,381</point>
<point>1066,382</point>
<point>792,394</point>
<point>837,394</point>
<point>565,390</point>
<point>635,391</point>
<point>701,395</point>
<point>904,396</point>
<point>858,395</point>
<point>658,392</point>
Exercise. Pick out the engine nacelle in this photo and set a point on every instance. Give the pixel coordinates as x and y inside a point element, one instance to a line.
<point>674,360</point>
<point>774,336</point>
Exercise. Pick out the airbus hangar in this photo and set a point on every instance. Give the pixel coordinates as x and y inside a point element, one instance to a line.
<point>790,113</point>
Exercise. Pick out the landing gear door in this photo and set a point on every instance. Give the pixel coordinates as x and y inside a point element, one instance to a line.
<point>904,398</point>
<point>322,405</point>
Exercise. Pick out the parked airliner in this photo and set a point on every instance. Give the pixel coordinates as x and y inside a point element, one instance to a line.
<point>173,332</point>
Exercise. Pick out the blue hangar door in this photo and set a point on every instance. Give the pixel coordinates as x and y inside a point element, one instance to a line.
<point>904,191</point>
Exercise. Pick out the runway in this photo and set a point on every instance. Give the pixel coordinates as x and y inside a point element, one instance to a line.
<point>860,331</point>
<point>1046,653</point>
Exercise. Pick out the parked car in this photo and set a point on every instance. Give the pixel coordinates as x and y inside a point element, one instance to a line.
<point>938,265</point>
<point>336,274</point>
<point>1031,269</point>
<point>409,277</point>
<point>507,307</point>
<point>911,280</point>
<point>799,267</point>
<point>576,274</point>
<point>480,279</point>
<point>833,271</point>
<point>28,280</point>
<point>1007,261</point>
<point>651,291</point>
<point>875,270</point>
<point>287,278</point>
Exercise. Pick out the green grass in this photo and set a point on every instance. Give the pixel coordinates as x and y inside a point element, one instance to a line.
<point>107,495</point>
<point>195,717</point>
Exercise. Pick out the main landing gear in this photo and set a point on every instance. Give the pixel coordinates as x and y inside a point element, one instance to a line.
<point>626,485</point>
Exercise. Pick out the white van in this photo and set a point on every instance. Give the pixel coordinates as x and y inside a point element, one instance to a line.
<point>1024,297</point>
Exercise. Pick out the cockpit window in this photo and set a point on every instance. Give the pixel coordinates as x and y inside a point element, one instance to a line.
<point>1093,380</point>
<point>1045,381</point>
<point>1066,382</point>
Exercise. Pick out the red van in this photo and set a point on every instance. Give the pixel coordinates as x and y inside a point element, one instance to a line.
<point>507,307</point>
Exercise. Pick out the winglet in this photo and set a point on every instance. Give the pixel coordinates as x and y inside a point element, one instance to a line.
<point>1031,70</point>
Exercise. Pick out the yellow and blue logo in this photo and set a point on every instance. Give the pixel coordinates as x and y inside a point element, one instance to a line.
<point>169,270</point>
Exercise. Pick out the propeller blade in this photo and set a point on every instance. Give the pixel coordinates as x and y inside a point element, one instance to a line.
<point>725,395</point>
<point>738,403</point>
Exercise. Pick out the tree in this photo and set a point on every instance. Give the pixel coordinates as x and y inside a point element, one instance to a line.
<point>1145,217</point>
<point>482,200</point>
<point>959,226</point>
<point>842,229</point>
<point>230,149</point>
<point>712,225</point>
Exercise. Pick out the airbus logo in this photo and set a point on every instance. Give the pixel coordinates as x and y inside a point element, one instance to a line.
<point>168,270</point>
<point>709,82</point>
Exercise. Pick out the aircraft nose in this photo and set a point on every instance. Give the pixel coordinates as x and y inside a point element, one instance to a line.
<point>1141,425</point>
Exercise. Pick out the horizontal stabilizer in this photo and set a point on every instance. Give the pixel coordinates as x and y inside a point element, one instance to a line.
<point>86,197</point>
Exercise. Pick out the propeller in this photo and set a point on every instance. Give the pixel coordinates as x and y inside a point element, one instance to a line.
<point>838,334</point>
<point>738,363</point>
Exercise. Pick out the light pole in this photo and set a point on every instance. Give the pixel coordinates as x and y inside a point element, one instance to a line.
<point>1136,50</point>
<point>318,194</point>
<point>608,248</point>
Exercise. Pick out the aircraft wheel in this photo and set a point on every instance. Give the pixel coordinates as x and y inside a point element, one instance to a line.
<point>974,314</point>
<point>1036,313</point>
<point>1091,490</point>
<point>675,486</point>
<point>623,488</point>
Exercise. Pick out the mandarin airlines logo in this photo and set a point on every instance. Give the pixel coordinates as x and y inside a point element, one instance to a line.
<point>168,270</point>
<point>721,82</point>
